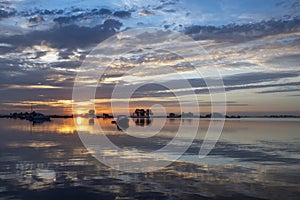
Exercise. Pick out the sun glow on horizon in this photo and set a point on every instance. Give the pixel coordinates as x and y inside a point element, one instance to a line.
<point>79,112</point>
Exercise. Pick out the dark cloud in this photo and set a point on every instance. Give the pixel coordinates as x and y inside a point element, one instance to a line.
<point>170,10</point>
<point>71,36</point>
<point>292,5</point>
<point>295,95</point>
<point>5,14</point>
<point>245,78</point>
<point>61,16</point>
<point>46,12</point>
<point>6,11</point>
<point>23,77</point>
<point>285,60</point>
<point>70,17</point>
<point>7,49</point>
<point>153,93</point>
<point>122,14</point>
<point>19,95</point>
<point>280,90</point>
<point>242,64</point>
<point>262,86</point>
<point>36,19</point>
<point>247,87</point>
<point>112,24</point>
<point>291,57</point>
<point>236,32</point>
<point>64,20</point>
<point>83,12</point>
<point>169,2</point>
<point>65,54</point>
<point>15,75</point>
<point>102,11</point>
<point>257,77</point>
<point>243,81</point>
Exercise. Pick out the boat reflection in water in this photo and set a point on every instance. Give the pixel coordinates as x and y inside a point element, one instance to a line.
<point>122,122</point>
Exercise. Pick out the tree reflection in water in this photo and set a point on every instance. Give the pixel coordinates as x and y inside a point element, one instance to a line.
<point>142,121</point>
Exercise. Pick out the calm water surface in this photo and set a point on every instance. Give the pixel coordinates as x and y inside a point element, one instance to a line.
<point>254,159</point>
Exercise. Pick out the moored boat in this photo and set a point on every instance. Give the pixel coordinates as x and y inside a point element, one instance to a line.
<point>38,117</point>
<point>122,122</point>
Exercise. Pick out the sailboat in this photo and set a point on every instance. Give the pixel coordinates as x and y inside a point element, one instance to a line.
<point>122,122</point>
<point>36,117</point>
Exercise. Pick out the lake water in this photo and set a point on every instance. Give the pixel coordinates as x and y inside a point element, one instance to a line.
<point>253,159</point>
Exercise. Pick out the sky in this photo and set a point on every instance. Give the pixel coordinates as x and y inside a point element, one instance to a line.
<point>253,44</point>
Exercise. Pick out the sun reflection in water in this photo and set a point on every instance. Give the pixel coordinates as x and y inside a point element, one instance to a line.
<point>79,120</point>
<point>86,125</point>
<point>66,126</point>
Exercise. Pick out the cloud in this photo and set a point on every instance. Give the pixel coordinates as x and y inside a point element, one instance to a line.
<point>262,86</point>
<point>242,64</point>
<point>5,45</point>
<point>122,14</point>
<point>281,90</point>
<point>295,95</point>
<point>257,77</point>
<point>43,52</point>
<point>292,59</point>
<point>204,90</point>
<point>242,32</point>
<point>32,87</point>
<point>63,37</point>
<point>6,12</point>
<point>244,81</point>
<point>269,53</point>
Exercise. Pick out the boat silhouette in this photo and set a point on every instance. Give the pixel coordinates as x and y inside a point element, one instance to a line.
<point>122,122</point>
<point>37,117</point>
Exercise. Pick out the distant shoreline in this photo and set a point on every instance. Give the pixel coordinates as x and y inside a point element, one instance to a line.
<point>194,117</point>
